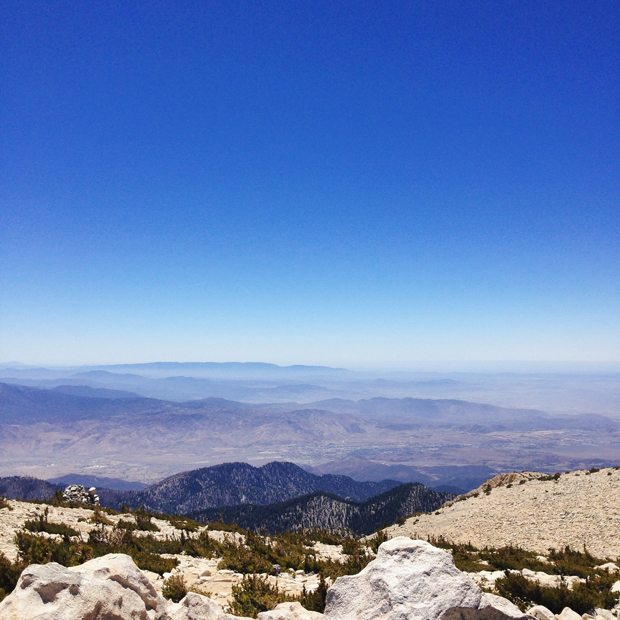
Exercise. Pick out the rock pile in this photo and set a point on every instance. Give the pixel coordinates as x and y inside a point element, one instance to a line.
<point>77,494</point>
<point>409,579</point>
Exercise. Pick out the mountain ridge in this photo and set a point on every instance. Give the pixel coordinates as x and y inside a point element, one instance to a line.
<point>240,483</point>
<point>326,511</point>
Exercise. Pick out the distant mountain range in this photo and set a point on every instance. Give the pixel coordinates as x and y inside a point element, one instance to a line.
<point>113,484</point>
<point>210,487</point>
<point>239,483</point>
<point>329,512</point>
<point>449,478</point>
<point>277,496</point>
<point>25,487</point>
<point>132,434</point>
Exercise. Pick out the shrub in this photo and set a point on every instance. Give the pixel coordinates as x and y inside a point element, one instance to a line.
<point>378,540</point>
<point>4,503</point>
<point>254,595</point>
<point>41,524</point>
<point>174,588</point>
<point>315,601</point>
<point>9,574</point>
<point>99,517</point>
<point>350,546</point>
<point>33,549</point>
<point>144,521</point>
<point>582,598</point>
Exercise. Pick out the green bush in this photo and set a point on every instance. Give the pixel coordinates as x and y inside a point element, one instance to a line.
<point>254,595</point>
<point>41,524</point>
<point>9,574</point>
<point>582,598</point>
<point>144,521</point>
<point>350,546</point>
<point>174,588</point>
<point>99,517</point>
<point>378,540</point>
<point>315,601</point>
<point>124,524</point>
<point>33,549</point>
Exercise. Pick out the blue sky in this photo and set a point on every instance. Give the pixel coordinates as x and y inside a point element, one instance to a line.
<point>309,182</point>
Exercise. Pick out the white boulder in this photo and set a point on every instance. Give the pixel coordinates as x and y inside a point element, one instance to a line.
<point>540,612</point>
<point>290,611</point>
<point>412,580</point>
<point>568,614</point>
<point>197,607</point>
<point>111,586</point>
<point>493,603</point>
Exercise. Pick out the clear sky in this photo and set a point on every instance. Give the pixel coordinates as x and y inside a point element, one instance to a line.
<point>309,181</point>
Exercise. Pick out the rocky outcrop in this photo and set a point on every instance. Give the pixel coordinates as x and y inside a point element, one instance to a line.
<point>111,587</point>
<point>531,511</point>
<point>412,579</point>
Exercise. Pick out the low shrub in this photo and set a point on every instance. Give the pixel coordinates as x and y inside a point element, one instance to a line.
<point>174,588</point>
<point>144,521</point>
<point>381,537</point>
<point>41,524</point>
<point>582,598</point>
<point>99,517</point>
<point>315,601</point>
<point>9,574</point>
<point>254,595</point>
<point>124,524</point>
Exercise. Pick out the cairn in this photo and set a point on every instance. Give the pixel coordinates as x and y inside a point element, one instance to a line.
<point>77,494</point>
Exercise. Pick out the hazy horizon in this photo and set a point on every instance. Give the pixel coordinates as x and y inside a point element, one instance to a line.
<point>413,366</point>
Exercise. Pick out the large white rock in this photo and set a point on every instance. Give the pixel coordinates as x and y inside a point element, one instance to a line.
<point>412,580</point>
<point>290,611</point>
<point>493,603</point>
<point>540,612</point>
<point>110,587</point>
<point>197,607</point>
<point>569,614</point>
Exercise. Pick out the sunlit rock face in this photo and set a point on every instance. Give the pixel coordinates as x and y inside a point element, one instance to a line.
<point>412,580</point>
<point>111,587</point>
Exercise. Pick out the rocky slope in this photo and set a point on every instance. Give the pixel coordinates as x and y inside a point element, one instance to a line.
<point>328,512</point>
<point>408,579</point>
<point>532,511</point>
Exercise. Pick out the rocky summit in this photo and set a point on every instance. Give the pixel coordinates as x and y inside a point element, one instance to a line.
<point>533,511</point>
<point>409,579</point>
